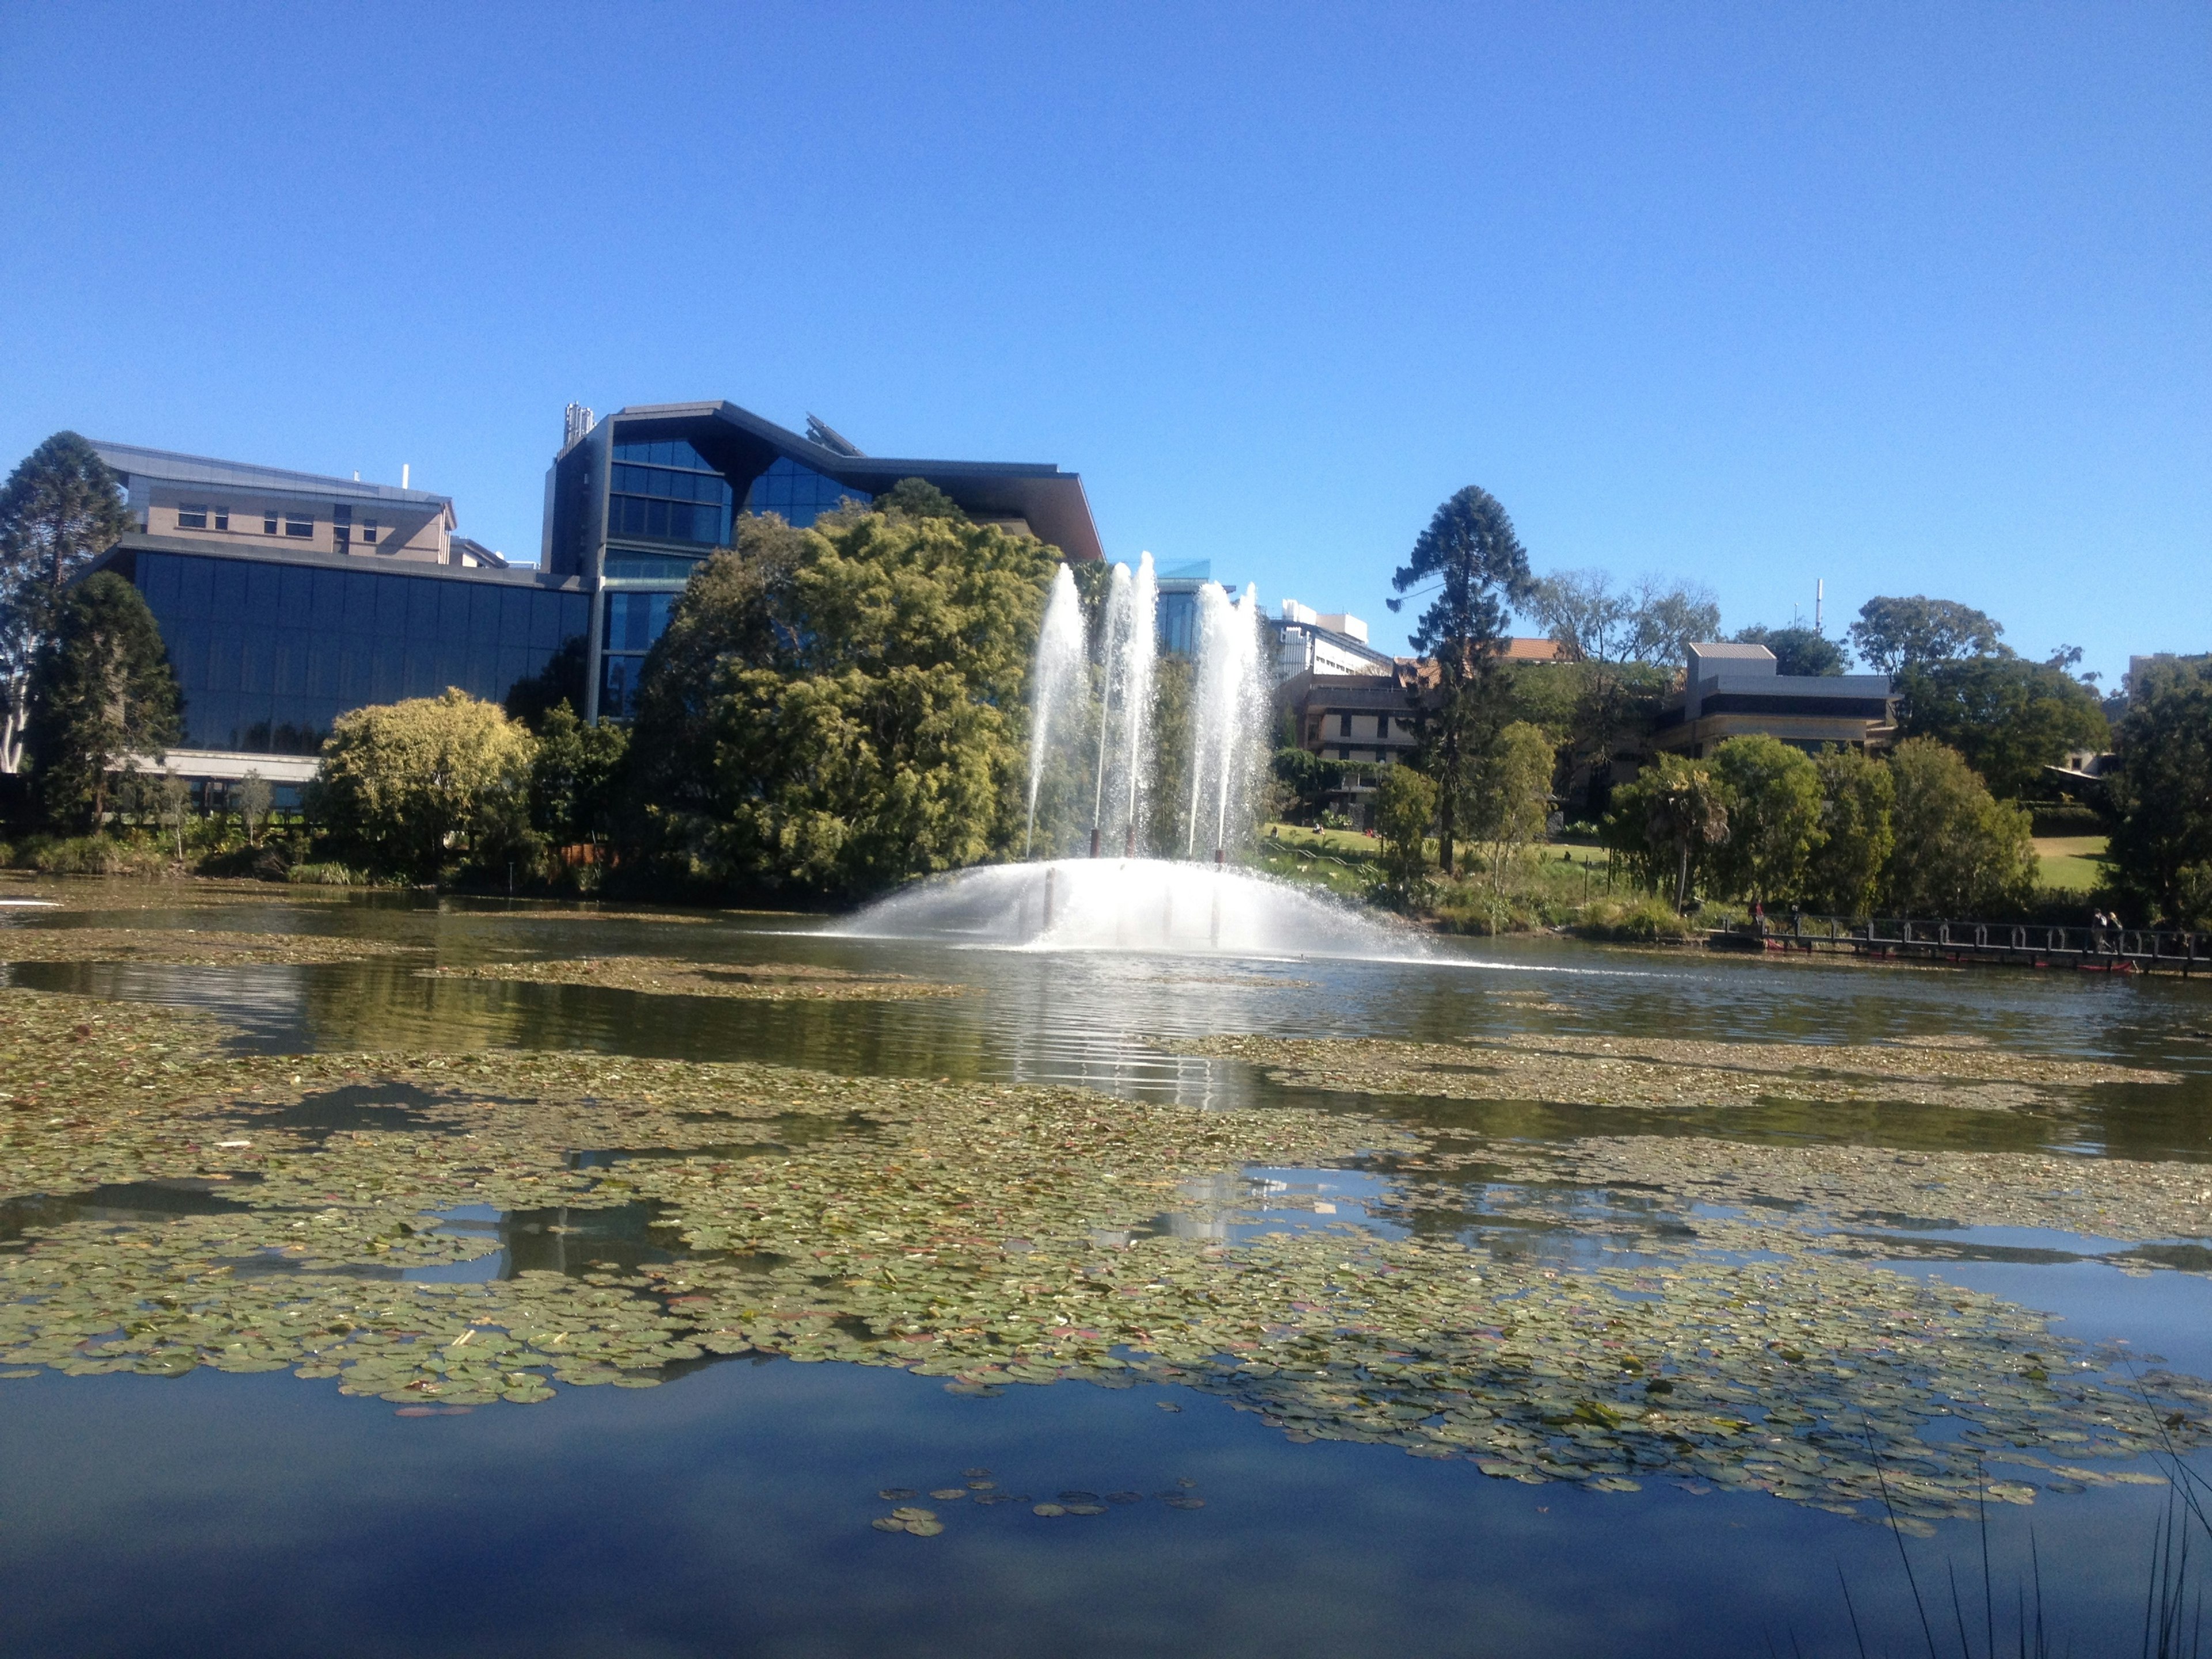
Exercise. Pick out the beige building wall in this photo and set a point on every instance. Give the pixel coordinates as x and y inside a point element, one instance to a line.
<point>219,514</point>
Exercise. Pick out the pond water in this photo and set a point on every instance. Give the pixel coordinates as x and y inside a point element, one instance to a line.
<point>730,1508</point>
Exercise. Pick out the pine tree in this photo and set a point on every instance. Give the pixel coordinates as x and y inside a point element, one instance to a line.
<point>1480,569</point>
<point>101,692</point>
<point>60,509</point>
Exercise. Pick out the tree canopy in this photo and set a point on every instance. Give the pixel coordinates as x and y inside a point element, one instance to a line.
<point>1774,816</point>
<point>61,508</point>
<point>1479,571</point>
<point>2009,717</point>
<point>1958,851</point>
<point>1893,634</point>
<point>2161,847</point>
<point>1798,650</point>
<point>839,707</point>
<point>101,691</point>
<point>1858,833</point>
<point>413,786</point>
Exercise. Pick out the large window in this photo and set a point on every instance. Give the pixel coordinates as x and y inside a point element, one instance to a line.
<point>666,492</point>
<point>800,494</point>
<point>268,655</point>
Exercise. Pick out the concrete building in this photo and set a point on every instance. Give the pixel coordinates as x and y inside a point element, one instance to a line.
<point>1309,641</point>
<point>1737,690</point>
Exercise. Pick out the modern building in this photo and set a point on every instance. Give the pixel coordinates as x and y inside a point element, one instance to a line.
<point>1363,719</point>
<point>286,598</point>
<point>635,503</point>
<point>1738,690</point>
<point>1313,642</point>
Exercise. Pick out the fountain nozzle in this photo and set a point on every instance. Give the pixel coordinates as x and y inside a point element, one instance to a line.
<point>1220,855</point>
<point>1094,840</point>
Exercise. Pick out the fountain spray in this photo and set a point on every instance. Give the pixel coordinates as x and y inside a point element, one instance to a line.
<point>1060,659</point>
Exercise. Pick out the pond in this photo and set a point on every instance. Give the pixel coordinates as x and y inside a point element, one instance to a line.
<point>395,1275</point>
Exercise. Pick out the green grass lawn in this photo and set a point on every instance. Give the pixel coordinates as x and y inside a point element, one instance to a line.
<point>2073,863</point>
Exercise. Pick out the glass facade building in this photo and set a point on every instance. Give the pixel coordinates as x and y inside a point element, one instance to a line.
<point>269,650</point>
<point>636,501</point>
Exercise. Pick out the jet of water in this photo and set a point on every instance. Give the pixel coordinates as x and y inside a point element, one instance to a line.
<point>1228,719</point>
<point>1059,678</point>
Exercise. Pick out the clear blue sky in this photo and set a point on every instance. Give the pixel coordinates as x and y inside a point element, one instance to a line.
<point>1912,298</point>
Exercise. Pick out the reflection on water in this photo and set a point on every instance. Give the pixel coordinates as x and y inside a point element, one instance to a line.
<point>747,1490</point>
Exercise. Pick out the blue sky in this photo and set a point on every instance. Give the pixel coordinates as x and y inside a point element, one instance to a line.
<point>1914,299</point>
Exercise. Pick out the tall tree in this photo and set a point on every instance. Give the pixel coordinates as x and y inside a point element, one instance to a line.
<point>1859,812</point>
<point>858,702</point>
<point>575,778</point>
<point>1481,570</point>
<point>101,692</point>
<point>1581,611</point>
<point>1960,852</point>
<point>1668,821</point>
<point>1666,620</point>
<point>62,507</point>
<point>2009,717</point>
<point>1774,816</point>
<point>1405,808</point>
<point>1797,650</point>
<point>2162,847</point>
<point>1893,634</point>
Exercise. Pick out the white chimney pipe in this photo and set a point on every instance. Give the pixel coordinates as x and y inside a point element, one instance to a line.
<point>403,475</point>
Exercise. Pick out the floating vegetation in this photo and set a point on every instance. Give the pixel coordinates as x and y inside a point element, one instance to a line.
<point>1825,1187</point>
<point>767,981</point>
<point>989,1236</point>
<point>187,947</point>
<point>692,919</point>
<point>1662,1071</point>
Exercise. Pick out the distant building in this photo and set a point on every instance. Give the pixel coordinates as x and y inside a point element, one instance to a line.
<point>1738,690</point>
<point>636,501</point>
<point>286,598</point>
<point>1312,643</point>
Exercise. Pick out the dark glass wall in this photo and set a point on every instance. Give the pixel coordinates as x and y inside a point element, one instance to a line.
<point>665,491</point>
<point>268,655</point>
<point>800,494</point>
<point>634,619</point>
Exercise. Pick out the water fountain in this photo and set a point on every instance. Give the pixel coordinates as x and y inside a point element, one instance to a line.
<point>1094,766</point>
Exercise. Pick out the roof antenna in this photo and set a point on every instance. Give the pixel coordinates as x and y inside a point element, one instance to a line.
<point>403,475</point>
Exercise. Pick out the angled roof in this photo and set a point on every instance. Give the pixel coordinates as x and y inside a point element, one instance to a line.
<point>1049,500</point>
<point>168,466</point>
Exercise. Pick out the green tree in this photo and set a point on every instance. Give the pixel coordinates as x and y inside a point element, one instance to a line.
<point>2009,717</point>
<point>1405,804</point>
<point>865,702</point>
<point>1667,821</point>
<point>411,787</point>
<point>251,801</point>
<point>918,498</point>
<point>1798,650</point>
<point>731,614</point>
<point>1509,792</point>
<point>1959,851</point>
<point>1893,634</point>
<point>1480,569</point>
<point>62,507</point>
<point>101,692</point>
<point>562,679</point>
<point>1774,816</point>
<point>1857,832</point>
<point>575,778</point>
<point>1307,779</point>
<point>2161,848</point>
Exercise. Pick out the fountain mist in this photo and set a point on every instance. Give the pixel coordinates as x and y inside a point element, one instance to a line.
<point>1229,712</point>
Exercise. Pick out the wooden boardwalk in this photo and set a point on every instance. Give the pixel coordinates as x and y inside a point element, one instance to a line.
<point>2003,944</point>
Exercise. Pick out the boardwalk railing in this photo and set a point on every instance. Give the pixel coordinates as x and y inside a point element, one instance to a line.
<point>2030,944</point>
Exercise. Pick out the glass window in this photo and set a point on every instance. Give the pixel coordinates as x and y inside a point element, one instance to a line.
<point>269,522</point>
<point>196,587</point>
<point>191,517</point>
<point>299,525</point>
<point>222,518</point>
<point>295,597</point>
<point>369,532</point>
<point>229,602</point>
<point>158,581</point>
<point>623,562</point>
<point>1344,726</point>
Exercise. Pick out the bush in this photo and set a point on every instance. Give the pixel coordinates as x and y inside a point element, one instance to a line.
<point>92,855</point>
<point>413,786</point>
<point>326,875</point>
<point>1644,920</point>
<point>2065,818</point>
